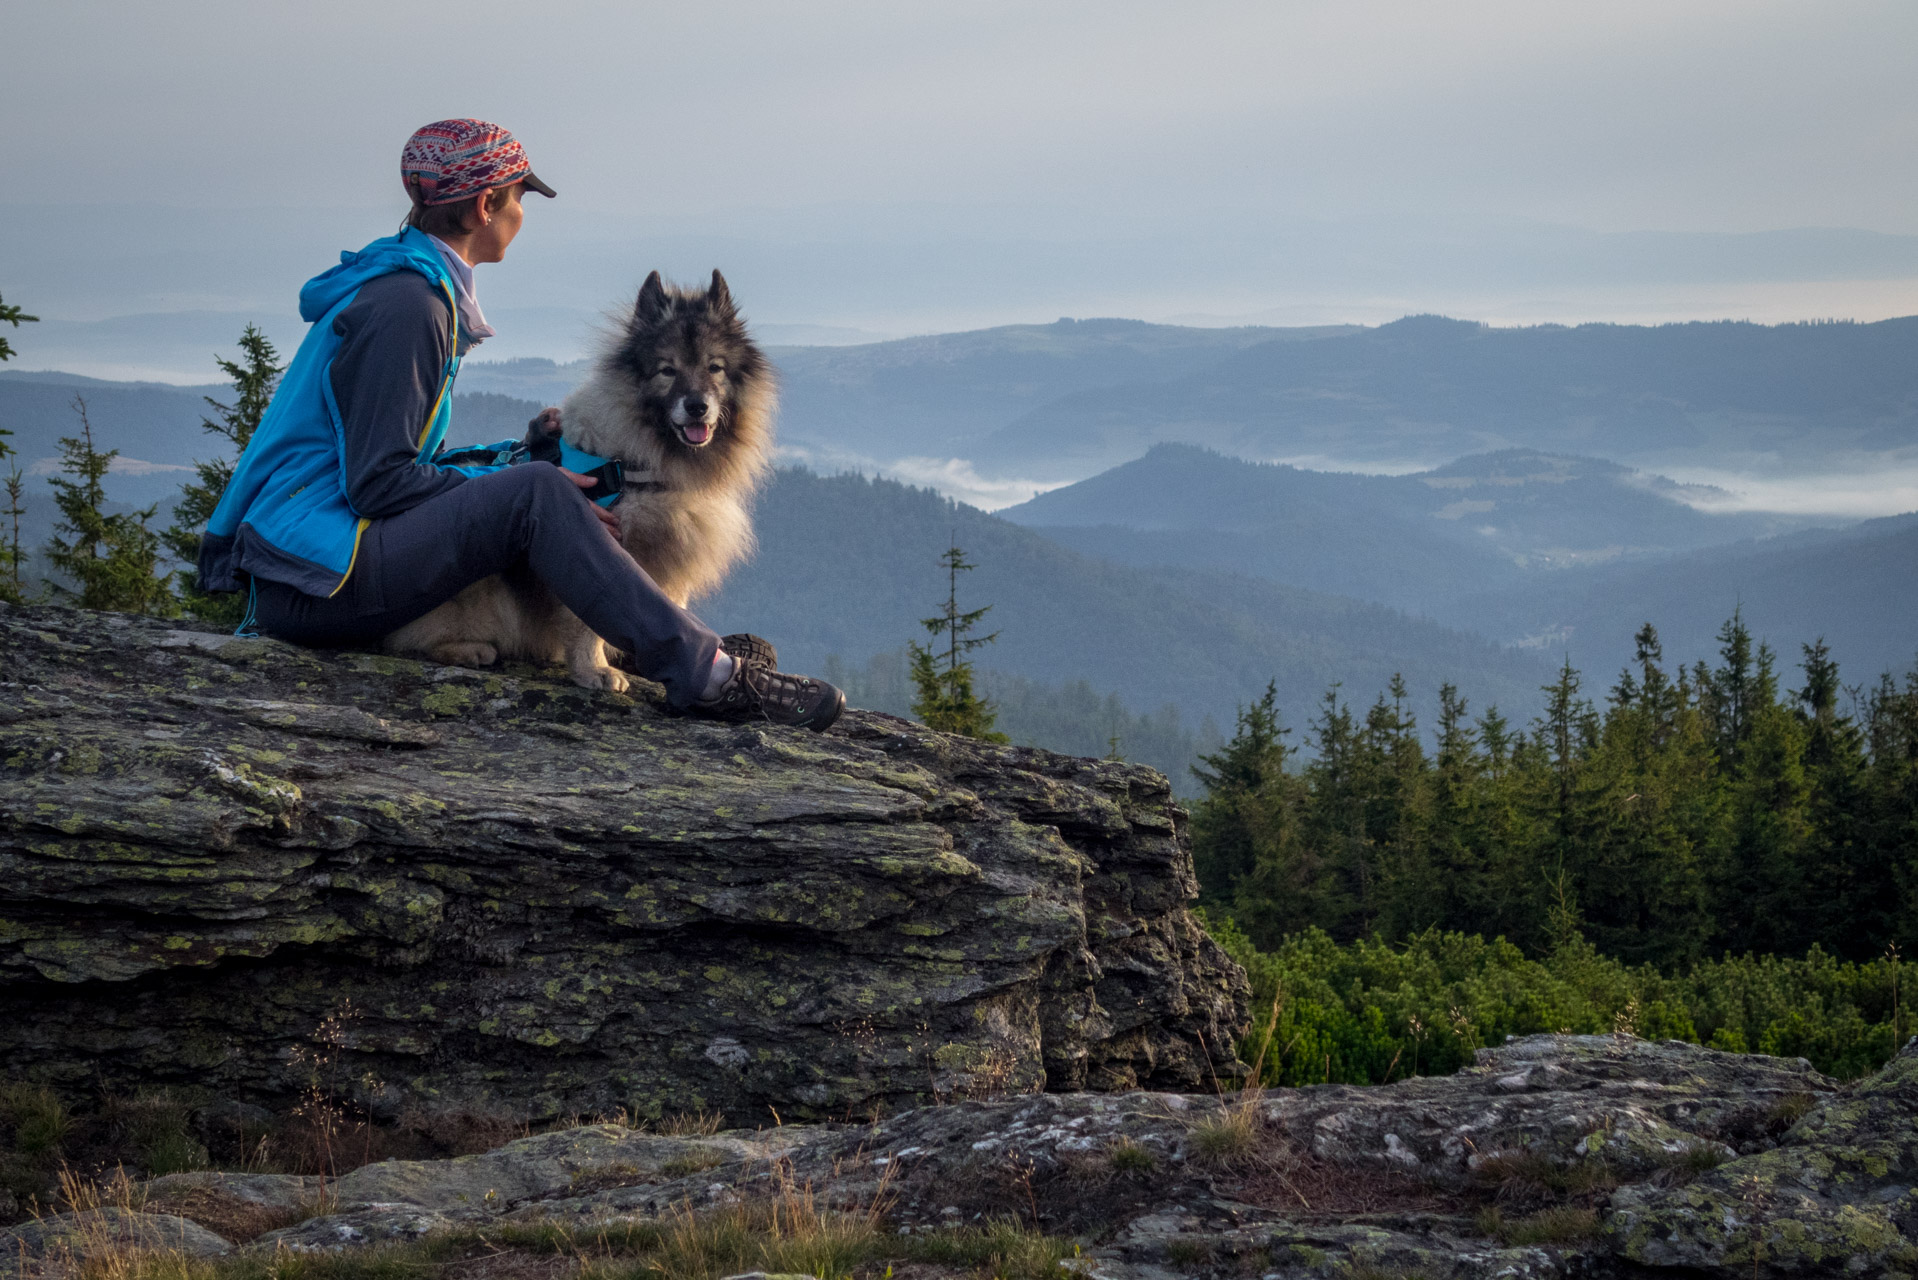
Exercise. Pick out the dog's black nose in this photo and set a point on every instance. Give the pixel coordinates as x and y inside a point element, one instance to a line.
<point>695,406</point>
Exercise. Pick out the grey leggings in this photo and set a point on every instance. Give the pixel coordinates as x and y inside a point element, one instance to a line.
<point>529,516</point>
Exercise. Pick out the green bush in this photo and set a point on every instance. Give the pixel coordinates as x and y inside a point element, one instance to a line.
<point>1368,1011</point>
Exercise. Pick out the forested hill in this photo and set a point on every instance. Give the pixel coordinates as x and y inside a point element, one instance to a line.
<point>1853,588</point>
<point>1417,542</point>
<point>1426,390</point>
<point>849,566</point>
<point>1518,546</point>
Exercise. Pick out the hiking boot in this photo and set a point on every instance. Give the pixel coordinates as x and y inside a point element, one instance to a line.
<point>754,651</point>
<point>777,697</point>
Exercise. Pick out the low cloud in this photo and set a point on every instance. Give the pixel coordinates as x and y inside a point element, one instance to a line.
<point>1859,493</point>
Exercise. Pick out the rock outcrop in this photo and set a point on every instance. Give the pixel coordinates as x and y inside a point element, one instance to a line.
<point>261,871</point>
<point>1552,1156</point>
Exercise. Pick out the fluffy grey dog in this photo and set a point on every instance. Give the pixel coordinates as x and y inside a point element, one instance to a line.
<point>684,399</point>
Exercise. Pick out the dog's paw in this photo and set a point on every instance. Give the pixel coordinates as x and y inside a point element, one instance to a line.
<point>465,655</point>
<point>604,678</point>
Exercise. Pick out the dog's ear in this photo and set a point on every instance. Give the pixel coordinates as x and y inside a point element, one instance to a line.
<point>653,304</point>
<point>719,297</point>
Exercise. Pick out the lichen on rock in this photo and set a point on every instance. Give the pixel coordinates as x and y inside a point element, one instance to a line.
<point>262,870</point>
<point>1837,1196</point>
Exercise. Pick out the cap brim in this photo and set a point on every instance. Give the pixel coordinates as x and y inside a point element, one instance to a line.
<point>534,184</point>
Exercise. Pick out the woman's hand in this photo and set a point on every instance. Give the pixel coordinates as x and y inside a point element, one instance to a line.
<point>547,424</point>
<point>606,517</point>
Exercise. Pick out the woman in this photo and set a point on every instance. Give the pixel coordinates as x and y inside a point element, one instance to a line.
<point>344,526</point>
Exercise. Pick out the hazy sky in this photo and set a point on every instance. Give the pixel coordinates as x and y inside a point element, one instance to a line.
<point>899,166</point>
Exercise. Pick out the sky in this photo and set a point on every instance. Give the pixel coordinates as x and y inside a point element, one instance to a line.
<point>878,168</point>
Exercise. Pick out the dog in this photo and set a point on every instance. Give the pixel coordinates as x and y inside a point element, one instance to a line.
<point>684,398</point>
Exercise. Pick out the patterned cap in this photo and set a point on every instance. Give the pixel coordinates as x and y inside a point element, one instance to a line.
<point>452,160</point>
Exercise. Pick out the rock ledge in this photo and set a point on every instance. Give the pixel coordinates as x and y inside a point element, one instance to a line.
<point>259,870</point>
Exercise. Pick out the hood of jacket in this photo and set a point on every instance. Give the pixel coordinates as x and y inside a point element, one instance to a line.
<point>410,250</point>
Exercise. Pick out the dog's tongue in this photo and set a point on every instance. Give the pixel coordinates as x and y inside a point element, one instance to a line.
<point>697,432</point>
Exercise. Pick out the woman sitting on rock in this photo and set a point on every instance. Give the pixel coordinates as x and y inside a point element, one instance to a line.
<point>345,529</point>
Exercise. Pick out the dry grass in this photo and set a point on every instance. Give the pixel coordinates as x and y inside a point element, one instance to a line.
<point>230,1216</point>
<point>690,1124</point>
<point>1526,1174</point>
<point>1562,1224</point>
<point>784,1231</point>
<point>1788,1111</point>
<point>1686,1163</point>
<point>152,1132</point>
<point>1231,1135</point>
<point>1291,1178</point>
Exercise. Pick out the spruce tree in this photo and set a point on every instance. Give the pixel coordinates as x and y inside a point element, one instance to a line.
<point>1249,848</point>
<point>1634,851</point>
<point>113,558</point>
<point>1399,818</point>
<point>1341,782</point>
<point>947,701</point>
<point>15,317</point>
<point>254,377</point>
<point>1764,894</point>
<point>1890,819</point>
<point>13,557</point>
<point>1462,891</point>
<point>1852,890</point>
<point>13,588</point>
<point>1230,825</point>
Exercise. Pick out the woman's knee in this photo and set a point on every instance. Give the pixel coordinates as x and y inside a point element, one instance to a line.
<point>548,482</point>
<point>530,485</point>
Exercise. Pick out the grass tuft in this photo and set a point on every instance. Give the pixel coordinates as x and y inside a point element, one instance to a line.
<point>1228,1135</point>
<point>1788,1111</point>
<point>1233,1133</point>
<point>154,1122</point>
<point>1563,1224</point>
<point>40,1121</point>
<point>1521,1173</point>
<point>1127,1156</point>
<point>1188,1255</point>
<point>685,1166</point>
<point>690,1124</point>
<point>1689,1161</point>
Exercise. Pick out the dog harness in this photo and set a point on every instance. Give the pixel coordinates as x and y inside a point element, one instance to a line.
<point>608,474</point>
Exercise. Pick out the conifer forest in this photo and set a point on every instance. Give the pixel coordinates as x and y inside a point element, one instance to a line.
<point>1723,853</point>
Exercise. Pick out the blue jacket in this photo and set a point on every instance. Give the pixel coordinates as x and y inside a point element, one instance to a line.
<point>288,513</point>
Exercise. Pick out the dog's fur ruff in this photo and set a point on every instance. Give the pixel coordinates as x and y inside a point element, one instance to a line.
<point>685,516</point>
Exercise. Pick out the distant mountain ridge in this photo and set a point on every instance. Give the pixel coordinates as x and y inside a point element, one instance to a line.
<point>1425,390</point>
<point>937,394</point>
